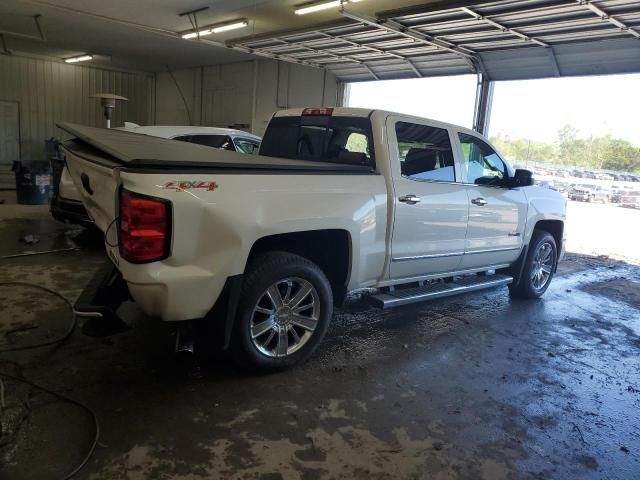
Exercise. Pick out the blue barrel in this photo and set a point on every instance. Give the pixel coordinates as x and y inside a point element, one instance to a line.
<point>33,182</point>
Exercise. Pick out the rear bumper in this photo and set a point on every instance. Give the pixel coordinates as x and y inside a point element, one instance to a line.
<point>185,299</point>
<point>69,211</point>
<point>172,293</point>
<point>103,294</point>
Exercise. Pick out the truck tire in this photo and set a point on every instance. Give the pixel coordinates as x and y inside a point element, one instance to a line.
<point>284,312</point>
<point>539,267</point>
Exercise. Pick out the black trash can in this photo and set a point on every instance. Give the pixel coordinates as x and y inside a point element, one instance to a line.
<point>33,182</point>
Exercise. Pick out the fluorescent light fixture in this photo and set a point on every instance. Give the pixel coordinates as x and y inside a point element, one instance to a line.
<point>216,29</point>
<point>82,58</point>
<point>201,33</point>
<point>230,26</point>
<point>316,7</point>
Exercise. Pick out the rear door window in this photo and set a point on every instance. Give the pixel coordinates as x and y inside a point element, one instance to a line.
<point>345,140</point>
<point>425,152</point>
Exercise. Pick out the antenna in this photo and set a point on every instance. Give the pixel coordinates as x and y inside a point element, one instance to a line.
<point>108,102</point>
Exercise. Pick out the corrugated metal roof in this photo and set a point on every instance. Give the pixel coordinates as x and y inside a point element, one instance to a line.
<point>503,39</point>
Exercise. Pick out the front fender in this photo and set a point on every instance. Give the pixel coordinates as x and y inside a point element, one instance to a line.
<point>544,204</point>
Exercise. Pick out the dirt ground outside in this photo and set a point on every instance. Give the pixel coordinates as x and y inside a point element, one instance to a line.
<point>603,229</point>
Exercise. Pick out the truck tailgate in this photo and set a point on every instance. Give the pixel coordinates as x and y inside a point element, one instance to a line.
<point>97,181</point>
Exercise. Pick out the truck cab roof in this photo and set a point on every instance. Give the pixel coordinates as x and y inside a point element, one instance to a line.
<point>364,113</point>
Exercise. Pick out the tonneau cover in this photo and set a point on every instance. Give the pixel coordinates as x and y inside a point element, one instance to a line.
<point>143,151</point>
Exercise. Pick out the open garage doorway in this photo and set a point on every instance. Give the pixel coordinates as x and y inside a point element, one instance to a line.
<point>575,138</point>
<point>448,99</point>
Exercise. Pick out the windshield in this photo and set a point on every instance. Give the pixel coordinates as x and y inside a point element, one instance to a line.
<point>329,139</point>
<point>245,145</point>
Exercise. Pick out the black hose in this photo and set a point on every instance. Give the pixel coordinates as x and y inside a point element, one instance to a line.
<point>63,338</point>
<point>73,402</point>
<point>60,396</point>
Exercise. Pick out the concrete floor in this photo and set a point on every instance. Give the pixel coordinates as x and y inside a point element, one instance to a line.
<point>474,387</point>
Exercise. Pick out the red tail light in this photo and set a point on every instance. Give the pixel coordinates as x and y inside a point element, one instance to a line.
<point>318,111</point>
<point>145,227</point>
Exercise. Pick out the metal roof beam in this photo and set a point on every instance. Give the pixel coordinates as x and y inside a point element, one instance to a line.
<point>371,71</point>
<point>554,62</point>
<point>504,28</point>
<point>395,27</point>
<point>437,6</point>
<point>345,58</point>
<point>375,49</point>
<point>606,16</point>
<point>265,53</point>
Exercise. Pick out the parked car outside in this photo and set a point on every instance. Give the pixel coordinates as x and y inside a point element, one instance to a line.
<point>66,206</point>
<point>630,199</point>
<point>616,194</point>
<point>547,184</point>
<point>562,187</point>
<point>601,194</point>
<point>581,193</point>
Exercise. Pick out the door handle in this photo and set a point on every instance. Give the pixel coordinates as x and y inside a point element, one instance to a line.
<point>410,199</point>
<point>479,201</point>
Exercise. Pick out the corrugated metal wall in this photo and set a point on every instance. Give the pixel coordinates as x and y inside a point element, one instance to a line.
<point>50,92</point>
<point>244,94</point>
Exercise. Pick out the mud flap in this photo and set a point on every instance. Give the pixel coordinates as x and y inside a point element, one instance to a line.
<point>516,268</point>
<point>218,323</point>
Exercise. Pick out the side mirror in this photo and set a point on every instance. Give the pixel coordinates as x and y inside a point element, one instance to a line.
<point>522,178</point>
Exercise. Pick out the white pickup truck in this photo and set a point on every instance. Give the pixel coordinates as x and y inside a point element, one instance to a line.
<point>261,247</point>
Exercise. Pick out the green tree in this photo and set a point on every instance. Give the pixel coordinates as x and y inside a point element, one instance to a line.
<point>618,154</point>
<point>604,152</point>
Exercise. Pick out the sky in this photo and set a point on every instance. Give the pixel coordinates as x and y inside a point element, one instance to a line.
<point>530,109</point>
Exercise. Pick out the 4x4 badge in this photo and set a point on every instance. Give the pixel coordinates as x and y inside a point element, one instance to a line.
<point>182,185</point>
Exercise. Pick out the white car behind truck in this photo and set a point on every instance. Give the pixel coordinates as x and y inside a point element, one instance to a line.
<point>338,199</point>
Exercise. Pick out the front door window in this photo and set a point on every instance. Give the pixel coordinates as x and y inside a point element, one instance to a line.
<point>482,164</point>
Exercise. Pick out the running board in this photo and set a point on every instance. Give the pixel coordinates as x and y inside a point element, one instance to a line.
<point>405,296</point>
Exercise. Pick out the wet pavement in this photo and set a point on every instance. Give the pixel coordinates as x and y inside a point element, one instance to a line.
<point>471,387</point>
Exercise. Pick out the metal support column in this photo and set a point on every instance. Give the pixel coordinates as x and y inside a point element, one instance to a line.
<point>342,95</point>
<point>484,100</point>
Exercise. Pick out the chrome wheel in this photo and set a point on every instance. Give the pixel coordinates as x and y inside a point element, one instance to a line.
<point>542,265</point>
<point>285,317</point>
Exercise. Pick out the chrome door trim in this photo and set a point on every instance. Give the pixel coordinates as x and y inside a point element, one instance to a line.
<point>452,254</point>
<point>492,250</point>
<point>422,257</point>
